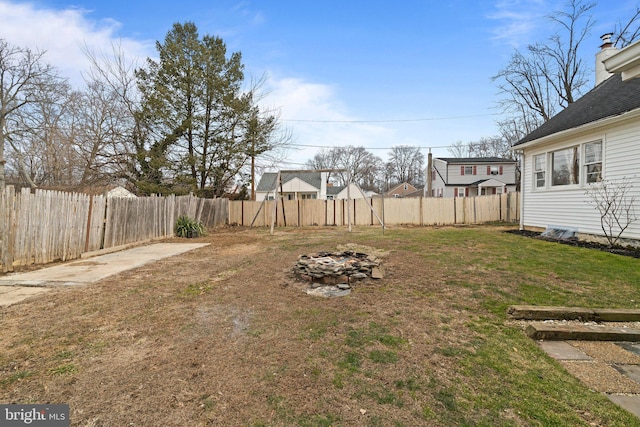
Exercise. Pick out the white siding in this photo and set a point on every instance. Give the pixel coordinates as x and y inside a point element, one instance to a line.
<point>568,205</point>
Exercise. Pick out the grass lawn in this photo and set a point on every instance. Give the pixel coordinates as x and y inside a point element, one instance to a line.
<point>225,335</point>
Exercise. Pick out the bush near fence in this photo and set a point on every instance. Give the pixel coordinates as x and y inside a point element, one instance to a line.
<point>419,211</point>
<point>46,226</point>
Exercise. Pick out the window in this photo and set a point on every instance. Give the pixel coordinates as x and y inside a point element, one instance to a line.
<point>565,169</point>
<point>593,162</point>
<point>540,167</point>
<point>308,196</point>
<point>468,170</point>
<point>461,191</point>
<point>580,164</point>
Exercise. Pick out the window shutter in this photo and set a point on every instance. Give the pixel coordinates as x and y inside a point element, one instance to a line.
<point>488,170</point>
<point>494,190</point>
<point>466,192</point>
<point>500,170</point>
<point>475,170</point>
<point>455,192</point>
<point>461,170</point>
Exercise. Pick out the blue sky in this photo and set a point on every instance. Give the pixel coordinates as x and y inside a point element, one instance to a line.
<point>366,73</point>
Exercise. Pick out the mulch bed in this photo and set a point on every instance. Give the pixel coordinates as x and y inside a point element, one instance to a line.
<point>618,250</point>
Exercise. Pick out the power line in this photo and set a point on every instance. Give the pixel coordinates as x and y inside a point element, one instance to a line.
<point>390,120</point>
<point>373,148</point>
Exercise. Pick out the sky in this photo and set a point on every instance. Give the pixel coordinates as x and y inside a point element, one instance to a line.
<point>375,74</point>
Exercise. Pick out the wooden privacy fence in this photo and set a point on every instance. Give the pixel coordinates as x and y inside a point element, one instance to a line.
<point>393,211</point>
<point>47,226</point>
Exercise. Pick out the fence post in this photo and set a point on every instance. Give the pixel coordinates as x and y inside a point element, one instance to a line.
<point>7,237</point>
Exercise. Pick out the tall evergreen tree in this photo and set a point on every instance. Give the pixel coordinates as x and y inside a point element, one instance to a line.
<point>204,127</point>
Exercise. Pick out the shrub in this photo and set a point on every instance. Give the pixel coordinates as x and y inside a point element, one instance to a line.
<point>187,227</point>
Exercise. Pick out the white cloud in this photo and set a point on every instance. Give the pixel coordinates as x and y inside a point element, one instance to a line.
<point>62,34</point>
<point>518,20</point>
<point>317,117</point>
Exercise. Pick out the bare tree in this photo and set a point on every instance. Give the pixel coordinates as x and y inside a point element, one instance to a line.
<point>625,34</point>
<point>406,164</point>
<point>21,73</point>
<point>459,150</point>
<point>42,138</point>
<point>615,204</point>
<point>550,75</point>
<point>493,146</point>
<point>362,166</point>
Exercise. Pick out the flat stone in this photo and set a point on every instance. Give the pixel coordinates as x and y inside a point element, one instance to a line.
<point>631,371</point>
<point>560,332</point>
<point>562,350</point>
<point>377,272</point>
<point>629,346</point>
<point>328,291</point>
<point>629,402</point>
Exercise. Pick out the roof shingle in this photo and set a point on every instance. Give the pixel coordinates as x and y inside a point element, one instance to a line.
<point>610,98</point>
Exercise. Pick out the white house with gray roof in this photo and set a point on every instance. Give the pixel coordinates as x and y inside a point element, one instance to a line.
<point>303,185</point>
<point>596,139</point>
<point>473,176</point>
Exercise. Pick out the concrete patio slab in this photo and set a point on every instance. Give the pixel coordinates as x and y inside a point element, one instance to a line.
<point>19,286</point>
<point>12,294</point>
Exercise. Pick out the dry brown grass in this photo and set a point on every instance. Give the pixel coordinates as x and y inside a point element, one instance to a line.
<point>224,335</point>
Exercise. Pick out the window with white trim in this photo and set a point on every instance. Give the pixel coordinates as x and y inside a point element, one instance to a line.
<point>565,166</point>
<point>540,170</point>
<point>579,164</point>
<point>468,170</point>
<point>461,191</point>
<point>593,162</point>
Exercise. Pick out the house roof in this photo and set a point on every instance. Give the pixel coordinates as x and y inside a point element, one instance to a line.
<point>400,188</point>
<point>610,98</point>
<point>268,180</point>
<point>335,189</point>
<point>455,160</point>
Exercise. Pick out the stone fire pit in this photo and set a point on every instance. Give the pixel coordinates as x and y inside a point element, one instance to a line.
<point>333,273</point>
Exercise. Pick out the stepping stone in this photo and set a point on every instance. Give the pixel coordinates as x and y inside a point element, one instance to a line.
<point>631,371</point>
<point>629,402</point>
<point>562,350</point>
<point>629,346</point>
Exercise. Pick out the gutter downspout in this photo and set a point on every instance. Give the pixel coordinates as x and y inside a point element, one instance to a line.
<point>522,166</point>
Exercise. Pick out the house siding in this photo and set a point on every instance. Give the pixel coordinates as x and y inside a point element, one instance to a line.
<point>568,205</point>
<point>450,176</point>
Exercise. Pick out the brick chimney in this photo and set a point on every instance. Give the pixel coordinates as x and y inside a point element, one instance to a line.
<point>607,49</point>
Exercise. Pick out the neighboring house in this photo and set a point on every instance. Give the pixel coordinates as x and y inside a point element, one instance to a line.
<point>110,191</point>
<point>303,185</point>
<point>594,139</point>
<point>402,190</point>
<point>473,176</point>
